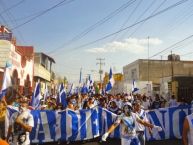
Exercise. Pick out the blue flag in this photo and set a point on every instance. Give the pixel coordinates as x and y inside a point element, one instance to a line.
<point>35,102</point>
<point>62,96</point>
<point>84,89</point>
<point>134,87</point>
<point>71,91</point>
<point>110,84</point>
<point>6,81</point>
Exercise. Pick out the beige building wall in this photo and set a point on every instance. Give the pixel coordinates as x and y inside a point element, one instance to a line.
<point>158,69</point>
<point>5,50</point>
<point>8,54</point>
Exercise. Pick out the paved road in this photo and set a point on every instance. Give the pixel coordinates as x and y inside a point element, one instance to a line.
<point>118,142</point>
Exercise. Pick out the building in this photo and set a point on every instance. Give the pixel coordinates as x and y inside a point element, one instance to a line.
<point>43,71</point>
<point>21,58</point>
<point>159,73</point>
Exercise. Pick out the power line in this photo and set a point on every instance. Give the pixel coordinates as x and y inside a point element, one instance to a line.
<point>97,24</point>
<point>151,4</point>
<point>35,13</point>
<point>179,18</point>
<point>27,17</point>
<point>172,45</point>
<point>11,7</point>
<point>187,54</point>
<point>124,6</point>
<point>42,13</point>
<point>147,18</point>
<point>11,17</point>
<point>180,46</point>
<point>128,18</point>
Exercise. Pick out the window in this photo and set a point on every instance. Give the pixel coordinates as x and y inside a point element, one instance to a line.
<point>134,74</point>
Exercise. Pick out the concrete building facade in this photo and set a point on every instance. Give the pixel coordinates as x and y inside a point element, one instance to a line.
<point>43,70</point>
<point>156,72</point>
<point>21,59</point>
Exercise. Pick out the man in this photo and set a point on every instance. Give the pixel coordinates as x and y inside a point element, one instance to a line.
<point>173,102</point>
<point>128,126</point>
<point>156,103</point>
<point>187,134</point>
<point>114,108</point>
<point>21,124</point>
<point>145,103</point>
<point>139,127</point>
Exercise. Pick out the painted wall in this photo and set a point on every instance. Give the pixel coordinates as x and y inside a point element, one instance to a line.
<point>8,54</point>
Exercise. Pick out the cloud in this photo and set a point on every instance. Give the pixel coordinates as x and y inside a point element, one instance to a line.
<point>132,45</point>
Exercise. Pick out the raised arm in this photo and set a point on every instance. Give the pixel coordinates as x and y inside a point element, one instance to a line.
<point>185,132</point>
<point>111,129</point>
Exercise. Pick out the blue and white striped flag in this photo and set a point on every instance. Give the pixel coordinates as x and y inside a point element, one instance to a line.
<point>62,95</point>
<point>35,102</point>
<point>46,93</point>
<point>84,89</point>
<point>6,81</point>
<point>90,85</point>
<point>134,87</point>
<point>71,90</point>
<point>10,110</point>
<point>111,82</point>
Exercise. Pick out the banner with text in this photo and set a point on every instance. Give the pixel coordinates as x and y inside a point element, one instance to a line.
<point>83,124</point>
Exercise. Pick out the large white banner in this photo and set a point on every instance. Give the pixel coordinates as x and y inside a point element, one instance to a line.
<point>71,125</point>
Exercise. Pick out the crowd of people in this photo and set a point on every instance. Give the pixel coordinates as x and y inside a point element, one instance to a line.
<point>113,103</point>
<point>131,106</point>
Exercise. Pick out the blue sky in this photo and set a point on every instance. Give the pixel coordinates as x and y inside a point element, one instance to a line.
<point>50,32</point>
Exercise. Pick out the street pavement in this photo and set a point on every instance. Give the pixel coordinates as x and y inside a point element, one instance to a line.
<point>118,142</point>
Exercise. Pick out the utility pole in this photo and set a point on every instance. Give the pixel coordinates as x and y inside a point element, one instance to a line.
<point>148,61</point>
<point>172,68</point>
<point>162,68</point>
<point>100,68</point>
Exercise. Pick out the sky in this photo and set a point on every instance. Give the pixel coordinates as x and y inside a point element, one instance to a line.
<point>73,31</point>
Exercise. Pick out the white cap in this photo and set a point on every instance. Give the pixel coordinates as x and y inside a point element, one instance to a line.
<point>127,104</point>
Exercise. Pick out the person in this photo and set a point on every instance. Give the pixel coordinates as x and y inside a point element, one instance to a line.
<point>3,106</point>
<point>114,108</point>
<point>128,120</point>
<point>71,104</point>
<point>173,101</point>
<point>187,134</point>
<point>3,142</point>
<point>20,125</point>
<point>156,103</point>
<point>139,127</point>
<point>145,103</point>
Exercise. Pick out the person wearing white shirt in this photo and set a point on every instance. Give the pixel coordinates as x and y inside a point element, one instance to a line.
<point>20,125</point>
<point>145,103</point>
<point>128,120</point>
<point>140,128</point>
<point>187,134</point>
<point>173,102</point>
